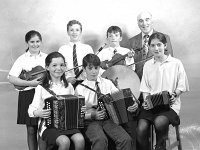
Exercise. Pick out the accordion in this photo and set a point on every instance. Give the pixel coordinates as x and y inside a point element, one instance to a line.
<point>116,105</point>
<point>159,101</point>
<point>65,112</point>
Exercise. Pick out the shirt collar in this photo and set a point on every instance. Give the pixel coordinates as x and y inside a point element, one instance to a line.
<point>98,80</point>
<point>150,33</point>
<point>169,58</point>
<point>72,44</point>
<point>28,54</point>
<point>114,48</point>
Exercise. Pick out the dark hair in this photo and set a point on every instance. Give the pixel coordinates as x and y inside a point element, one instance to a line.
<point>31,34</point>
<point>72,22</point>
<point>91,60</point>
<point>160,36</point>
<point>114,29</point>
<point>48,60</point>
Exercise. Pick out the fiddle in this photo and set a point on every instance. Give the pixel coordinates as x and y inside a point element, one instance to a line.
<point>117,59</point>
<point>36,72</point>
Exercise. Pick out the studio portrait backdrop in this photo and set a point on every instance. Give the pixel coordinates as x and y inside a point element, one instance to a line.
<point>177,18</point>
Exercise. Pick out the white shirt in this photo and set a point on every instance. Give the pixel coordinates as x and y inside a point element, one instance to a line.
<point>106,86</point>
<point>167,76</point>
<point>41,94</point>
<point>26,62</point>
<point>108,53</point>
<point>81,51</point>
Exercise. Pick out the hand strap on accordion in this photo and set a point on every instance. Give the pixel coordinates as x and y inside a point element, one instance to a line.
<point>42,119</point>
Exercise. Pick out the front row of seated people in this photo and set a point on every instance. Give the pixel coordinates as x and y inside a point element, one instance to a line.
<point>162,72</point>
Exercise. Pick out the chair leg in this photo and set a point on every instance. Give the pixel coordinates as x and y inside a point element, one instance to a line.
<point>178,137</point>
<point>177,143</point>
<point>151,140</point>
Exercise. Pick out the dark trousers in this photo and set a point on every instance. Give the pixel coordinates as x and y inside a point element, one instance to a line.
<point>97,132</point>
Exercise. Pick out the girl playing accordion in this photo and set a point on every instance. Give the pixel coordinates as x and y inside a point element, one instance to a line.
<point>56,82</point>
<point>161,73</point>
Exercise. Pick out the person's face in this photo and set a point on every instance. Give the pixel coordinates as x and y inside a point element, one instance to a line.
<point>56,68</point>
<point>74,32</point>
<point>114,39</point>
<point>92,72</point>
<point>145,22</point>
<point>34,44</point>
<point>157,48</point>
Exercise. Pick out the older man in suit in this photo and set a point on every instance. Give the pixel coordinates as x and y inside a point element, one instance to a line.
<point>139,42</point>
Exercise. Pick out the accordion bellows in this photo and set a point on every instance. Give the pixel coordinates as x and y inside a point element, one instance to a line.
<point>65,112</point>
<point>158,101</point>
<point>116,105</point>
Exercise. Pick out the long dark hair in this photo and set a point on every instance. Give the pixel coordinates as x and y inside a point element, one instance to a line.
<point>31,34</point>
<point>48,60</point>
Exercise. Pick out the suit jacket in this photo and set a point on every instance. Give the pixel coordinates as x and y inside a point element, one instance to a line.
<point>135,43</point>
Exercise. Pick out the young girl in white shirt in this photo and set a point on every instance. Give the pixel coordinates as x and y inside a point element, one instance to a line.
<point>56,82</point>
<point>32,58</point>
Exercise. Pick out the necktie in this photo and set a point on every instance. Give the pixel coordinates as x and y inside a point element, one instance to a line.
<point>100,101</point>
<point>145,45</point>
<point>98,90</point>
<point>75,62</point>
<point>115,51</point>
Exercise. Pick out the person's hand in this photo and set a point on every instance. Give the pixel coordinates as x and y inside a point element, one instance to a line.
<point>172,99</point>
<point>71,80</point>
<point>131,54</point>
<point>42,113</point>
<point>145,106</point>
<point>104,64</point>
<point>133,108</point>
<point>99,114</point>
<point>35,82</point>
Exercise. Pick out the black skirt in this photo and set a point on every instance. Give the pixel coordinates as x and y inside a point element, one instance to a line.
<point>150,115</point>
<point>25,98</point>
<point>50,135</point>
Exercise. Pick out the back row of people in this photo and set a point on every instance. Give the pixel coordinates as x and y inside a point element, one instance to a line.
<point>75,54</point>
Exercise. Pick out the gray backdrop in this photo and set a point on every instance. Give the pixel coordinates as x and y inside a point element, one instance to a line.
<point>179,19</point>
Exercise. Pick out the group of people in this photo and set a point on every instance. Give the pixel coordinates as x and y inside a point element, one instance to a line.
<point>149,54</point>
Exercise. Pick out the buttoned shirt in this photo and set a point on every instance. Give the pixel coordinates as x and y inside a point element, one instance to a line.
<point>81,51</point>
<point>166,76</point>
<point>26,62</point>
<point>105,85</point>
<point>41,94</point>
<point>108,53</point>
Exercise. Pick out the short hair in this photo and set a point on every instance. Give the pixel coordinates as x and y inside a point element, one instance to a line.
<point>91,60</point>
<point>160,36</point>
<point>114,29</point>
<point>72,22</point>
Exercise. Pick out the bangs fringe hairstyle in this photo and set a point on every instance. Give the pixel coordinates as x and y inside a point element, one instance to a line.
<point>114,29</point>
<point>48,60</point>
<point>91,60</point>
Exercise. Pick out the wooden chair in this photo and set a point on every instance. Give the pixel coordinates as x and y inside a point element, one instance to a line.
<point>169,145</point>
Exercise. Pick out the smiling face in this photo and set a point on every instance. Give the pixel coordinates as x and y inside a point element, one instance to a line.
<point>145,23</point>
<point>56,68</point>
<point>92,72</point>
<point>74,32</point>
<point>157,48</point>
<point>34,44</point>
<point>114,39</point>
